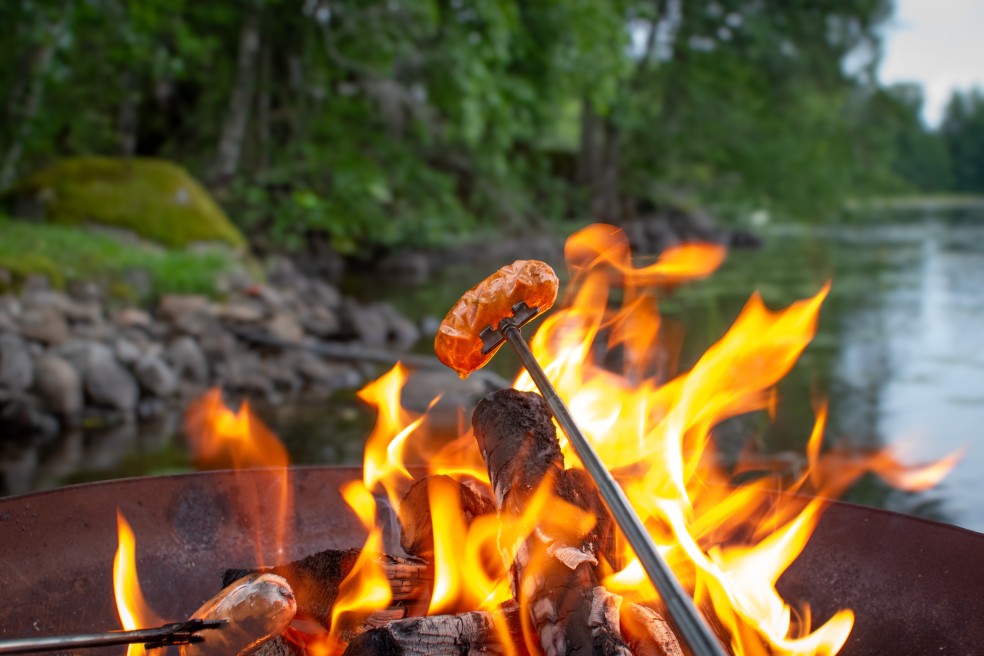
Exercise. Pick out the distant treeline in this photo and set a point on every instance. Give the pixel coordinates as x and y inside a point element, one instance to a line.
<point>370,123</point>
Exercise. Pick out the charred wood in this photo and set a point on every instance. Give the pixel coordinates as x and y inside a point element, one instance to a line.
<point>570,610</point>
<point>519,444</point>
<point>440,635</point>
<point>417,534</point>
<point>315,580</point>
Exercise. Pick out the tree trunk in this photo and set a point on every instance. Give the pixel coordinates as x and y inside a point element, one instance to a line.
<point>24,116</point>
<point>599,164</point>
<point>126,122</point>
<point>237,117</point>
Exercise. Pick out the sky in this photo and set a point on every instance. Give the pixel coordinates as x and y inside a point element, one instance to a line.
<point>938,43</point>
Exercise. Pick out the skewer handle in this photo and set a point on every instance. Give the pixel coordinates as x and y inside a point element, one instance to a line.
<point>170,634</point>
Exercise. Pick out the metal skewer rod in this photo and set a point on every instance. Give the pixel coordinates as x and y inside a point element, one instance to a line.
<point>180,633</point>
<point>682,610</point>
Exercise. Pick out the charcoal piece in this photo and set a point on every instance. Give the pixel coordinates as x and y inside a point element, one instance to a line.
<point>464,634</point>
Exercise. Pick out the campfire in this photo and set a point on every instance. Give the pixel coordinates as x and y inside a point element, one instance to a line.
<point>498,541</point>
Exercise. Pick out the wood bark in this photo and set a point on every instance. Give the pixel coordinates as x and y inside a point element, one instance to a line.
<point>572,613</point>
<point>241,99</point>
<point>440,635</point>
<point>417,529</point>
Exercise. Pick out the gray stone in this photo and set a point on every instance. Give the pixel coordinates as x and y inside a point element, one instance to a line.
<point>79,351</point>
<point>324,294</point>
<point>43,323</point>
<point>187,358</point>
<point>284,326</point>
<point>69,308</point>
<point>278,370</point>
<point>16,368</point>
<point>282,272</point>
<point>21,415</point>
<point>156,376</point>
<point>108,383</point>
<point>320,321</point>
<point>35,282</point>
<point>272,297</point>
<point>328,375</point>
<point>7,322</point>
<point>188,313</point>
<point>240,311</point>
<point>367,324</point>
<point>132,318</point>
<point>58,384</point>
<point>11,304</point>
<point>127,352</point>
<point>87,291</point>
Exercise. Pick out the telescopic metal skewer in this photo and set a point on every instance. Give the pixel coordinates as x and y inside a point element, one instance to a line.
<point>179,633</point>
<point>682,610</point>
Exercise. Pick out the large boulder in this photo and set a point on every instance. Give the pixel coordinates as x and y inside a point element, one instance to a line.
<point>153,198</point>
<point>155,375</point>
<point>58,385</point>
<point>106,382</point>
<point>187,358</point>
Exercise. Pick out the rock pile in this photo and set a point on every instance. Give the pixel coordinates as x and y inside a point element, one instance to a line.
<point>68,358</point>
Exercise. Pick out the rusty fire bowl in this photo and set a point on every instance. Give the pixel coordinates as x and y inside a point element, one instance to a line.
<point>917,587</point>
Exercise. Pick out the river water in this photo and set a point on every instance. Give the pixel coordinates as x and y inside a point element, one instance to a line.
<point>899,353</point>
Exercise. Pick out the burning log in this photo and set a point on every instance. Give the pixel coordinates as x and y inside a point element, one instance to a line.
<point>417,529</point>
<point>258,608</point>
<point>464,634</point>
<point>316,578</point>
<point>554,575</point>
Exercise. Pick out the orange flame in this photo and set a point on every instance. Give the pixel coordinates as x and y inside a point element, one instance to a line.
<point>366,587</point>
<point>133,609</point>
<point>220,437</point>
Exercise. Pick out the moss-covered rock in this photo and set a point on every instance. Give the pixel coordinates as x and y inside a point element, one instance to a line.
<point>153,198</point>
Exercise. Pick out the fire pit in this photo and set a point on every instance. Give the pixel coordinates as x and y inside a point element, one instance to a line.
<point>915,585</point>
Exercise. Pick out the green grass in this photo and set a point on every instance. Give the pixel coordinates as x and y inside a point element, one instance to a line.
<point>65,253</point>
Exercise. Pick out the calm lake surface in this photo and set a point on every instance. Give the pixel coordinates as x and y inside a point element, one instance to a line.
<point>899,354</point>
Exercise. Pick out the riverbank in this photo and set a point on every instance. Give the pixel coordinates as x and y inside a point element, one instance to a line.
<point>83,364</point>
<point>78,357</point>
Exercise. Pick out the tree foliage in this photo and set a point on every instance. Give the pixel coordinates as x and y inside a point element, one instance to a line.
<point>377,123</point>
